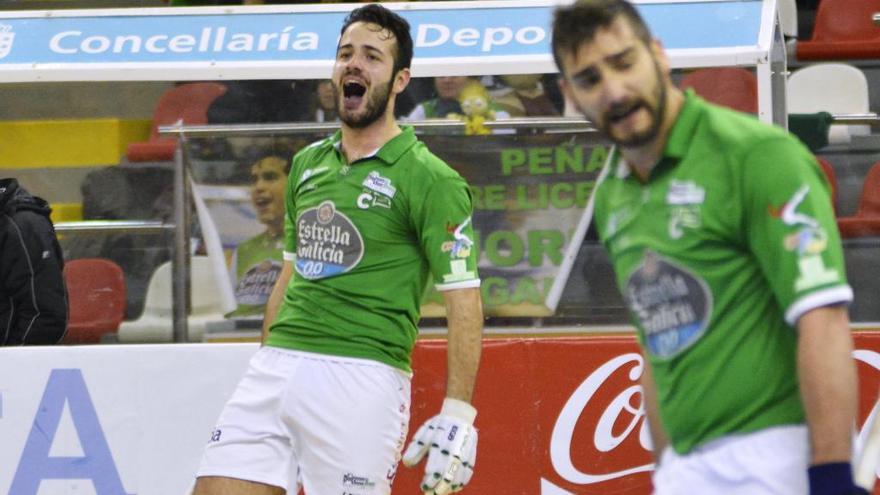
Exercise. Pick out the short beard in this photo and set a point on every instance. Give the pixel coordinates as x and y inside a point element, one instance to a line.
<point>658,113</point>
<point>375,108</point>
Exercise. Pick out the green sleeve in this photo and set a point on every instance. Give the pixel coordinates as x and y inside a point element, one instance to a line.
<point>443,223</point>
<point>790,227</point>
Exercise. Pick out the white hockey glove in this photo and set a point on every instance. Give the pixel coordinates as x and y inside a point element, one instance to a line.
<point>450,440</point>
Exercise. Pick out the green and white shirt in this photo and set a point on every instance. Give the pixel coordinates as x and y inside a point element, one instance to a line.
<point>256,266</point>
<point>364,238</point>
<point>718,254</point>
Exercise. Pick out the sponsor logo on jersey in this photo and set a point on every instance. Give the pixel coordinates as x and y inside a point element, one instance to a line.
<point>375,182</point>
<point>673,306</point>
<point>814,273</point>
<point>352,480</point>
<point>255,285</point>
<point>311,172</point>
<point>681,217</point>
<point>685,193</point>
<point>366,200</point>
<point>685,198</point>
<point>458,271</point>
<point>788,211</point>
<point>809,241</point>
<point>378,191</point>
<point>460,246</point>
<point>328,243</point>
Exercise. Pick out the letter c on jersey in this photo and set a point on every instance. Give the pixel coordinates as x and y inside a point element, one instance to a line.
<point>364,201</point>
<point>96,464</point>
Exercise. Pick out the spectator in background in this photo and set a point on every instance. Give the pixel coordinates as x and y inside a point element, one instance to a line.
<point>324,103</point>
<point>524,96</point>
<point>33,298</point>
<point>257,261</point>
<point>446,103</point>
<point>262,101</point>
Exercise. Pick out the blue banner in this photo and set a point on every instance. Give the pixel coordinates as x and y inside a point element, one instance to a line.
<point>469,31</point>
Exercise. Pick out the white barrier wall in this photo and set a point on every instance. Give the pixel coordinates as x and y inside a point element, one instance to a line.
<point>132,420</point>
<point>114,403</point>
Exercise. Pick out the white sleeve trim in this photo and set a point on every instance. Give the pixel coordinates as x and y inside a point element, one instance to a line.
<point>288,256</point>
<point>827,297</point>
<point>467,284</point>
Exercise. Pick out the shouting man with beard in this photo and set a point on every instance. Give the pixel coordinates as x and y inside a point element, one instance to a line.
<point>370,215</point>
<point>723,239</point>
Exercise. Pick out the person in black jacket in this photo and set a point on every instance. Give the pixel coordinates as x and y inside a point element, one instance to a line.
<point>33,297</point>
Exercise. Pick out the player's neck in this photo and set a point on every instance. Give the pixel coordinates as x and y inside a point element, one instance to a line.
<point>642,159</point>
<point>358,143</point>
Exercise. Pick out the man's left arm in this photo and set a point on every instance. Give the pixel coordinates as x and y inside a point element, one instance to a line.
<point>464,315</point>
<point>828,384</point>
<point>449,439</point>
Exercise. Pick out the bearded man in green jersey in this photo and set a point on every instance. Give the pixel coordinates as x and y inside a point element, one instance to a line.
<point>371,214</point>
<point>725,247</point>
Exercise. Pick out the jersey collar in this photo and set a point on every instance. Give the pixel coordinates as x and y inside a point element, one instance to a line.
<point>685,124</point>
<point>389,152</point>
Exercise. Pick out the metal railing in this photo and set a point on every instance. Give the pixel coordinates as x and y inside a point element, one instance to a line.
<point>113,226</point>
<point>573,124</point>
<point>180,225</point>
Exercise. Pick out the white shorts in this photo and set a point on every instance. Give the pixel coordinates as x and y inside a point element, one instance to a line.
<point>772,461</point>
<point>340,423</point>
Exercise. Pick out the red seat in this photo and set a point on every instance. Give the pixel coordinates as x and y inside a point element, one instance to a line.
<point>832,179</point>
<point>96,296</point>
<point>732,87</point>
<point>844,29</point>
<point>866,221</point>
<point>188,102</point>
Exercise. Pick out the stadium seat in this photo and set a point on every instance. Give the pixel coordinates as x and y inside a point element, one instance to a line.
<point>96,296</point>
<point>866,221</point>
<point>828,169</point>
<point>156,322</point>
<point>732,87</point>
<point>843,29</point>
<point>188,102</point>
<point>834,87</point>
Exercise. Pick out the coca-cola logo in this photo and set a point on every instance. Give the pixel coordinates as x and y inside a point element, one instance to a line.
<point>629,406</point>
<point>604,437</point>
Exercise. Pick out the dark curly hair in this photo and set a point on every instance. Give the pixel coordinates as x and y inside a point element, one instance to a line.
<point>577,23</point>
<point>386,19</point>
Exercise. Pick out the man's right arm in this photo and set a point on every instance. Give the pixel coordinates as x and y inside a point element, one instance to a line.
<point>658,435</point>
<point>276,298</point>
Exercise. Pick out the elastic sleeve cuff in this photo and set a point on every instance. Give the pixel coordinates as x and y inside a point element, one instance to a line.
<point>459,409</point>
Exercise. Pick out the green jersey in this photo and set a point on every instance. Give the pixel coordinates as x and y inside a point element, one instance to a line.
<point>731,239</point>
<point>256,266</point>
<point>364,238</point>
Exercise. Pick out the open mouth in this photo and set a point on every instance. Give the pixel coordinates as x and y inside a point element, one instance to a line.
<point>353,93</point>
<point>262,202</point>
<point>622,112</point>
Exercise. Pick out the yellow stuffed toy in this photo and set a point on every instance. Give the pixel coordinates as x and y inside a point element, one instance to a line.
<point>474,100</point>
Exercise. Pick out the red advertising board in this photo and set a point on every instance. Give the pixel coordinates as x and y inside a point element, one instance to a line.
<point>564,416</point>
